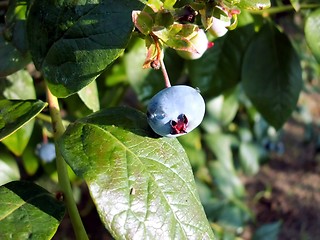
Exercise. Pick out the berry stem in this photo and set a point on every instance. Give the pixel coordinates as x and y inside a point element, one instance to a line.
<point>63,177</point>
<point>165,74</point>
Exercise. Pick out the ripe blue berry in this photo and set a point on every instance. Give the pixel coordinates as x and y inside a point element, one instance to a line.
<point>175,111</point>
<point>46,151</point>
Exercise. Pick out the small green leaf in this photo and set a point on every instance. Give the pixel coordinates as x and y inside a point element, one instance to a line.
<point>295,4</point>
<point>142,185</point>
<point>220,66</point>
<point>27,211</point>
<point>9,169</point>
<point>223,108</point>
<point>226,181</point>
<point>254,4</point>
<point>268,231</point>
<point>142,21</point>
<point>16,113</point>
<point>74,42</point>
<point>18,141</point>
<point>11,58</point>
<point>271,75</point>
<point>18,85</point>
<point>89,95</point>
<point>313,34</point>
<point>147,82</point>
<point>14,53</point>
<point>249,156</point>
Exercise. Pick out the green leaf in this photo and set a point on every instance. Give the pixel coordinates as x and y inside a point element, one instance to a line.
<point>27,211</point>
<point>11,58</point>
<point>223,108</point>
<point>268,231</point>
<point>9,169</point>
<point>254,4</point>
<point>147,82</point>
<point>191,143</point>
<point>295,4</point>
<point>14,53</point>
<point>249,156</point>
<point>89,95</point>
<point>18,141</point>
<point>74,42</point>
<point>226,181</point>
<point>18,85</point>
<point>271,75</point>
<point>16,113</point>
<point>142,185</point>
<point>313,34</point>
<point>220,66</point>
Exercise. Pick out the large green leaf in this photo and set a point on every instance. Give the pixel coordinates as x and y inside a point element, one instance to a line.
<point>313,34</point>
<point>72,42</point>
<point>16,113</point>
<point>271,75</point>
<point>142,185</point>
<point>27,211</point>
<point>220,66</point>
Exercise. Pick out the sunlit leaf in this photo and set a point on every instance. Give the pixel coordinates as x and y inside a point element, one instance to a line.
<point>28,211</point>
<point>15,113</point>
<point>76,41</point>
<point>142,185</point>
<point>9,169</point>
<point>89,95</point>
<point>254,4</point>
<point>313,34</point>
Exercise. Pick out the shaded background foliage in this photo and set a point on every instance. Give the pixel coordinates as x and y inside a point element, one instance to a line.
<point>251,81</point>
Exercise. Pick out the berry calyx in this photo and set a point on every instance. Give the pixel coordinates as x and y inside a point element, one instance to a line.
<point>200,43</point>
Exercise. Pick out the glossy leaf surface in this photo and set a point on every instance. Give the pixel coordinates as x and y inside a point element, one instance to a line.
<point>18,86</point>
<point>15,113</point>
<point>76,40</point>
<point>27,211</point>
<point>271,75</point>
<point>142,185</point>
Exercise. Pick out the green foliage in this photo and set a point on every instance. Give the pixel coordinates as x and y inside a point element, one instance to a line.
<point>149,179</point>
<point>75,42</point>
<point>312,33</point>
<point>101,54</point>
<point>273,83</point>
<point>28,211</point>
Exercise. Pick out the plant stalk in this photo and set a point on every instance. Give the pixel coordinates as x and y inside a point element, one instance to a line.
<point>58,130</point>
<point>280,9</point>
<point>165,73</point>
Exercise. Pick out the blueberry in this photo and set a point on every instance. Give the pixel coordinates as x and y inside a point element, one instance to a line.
<point>46,151</point>
<point>175,111</point>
